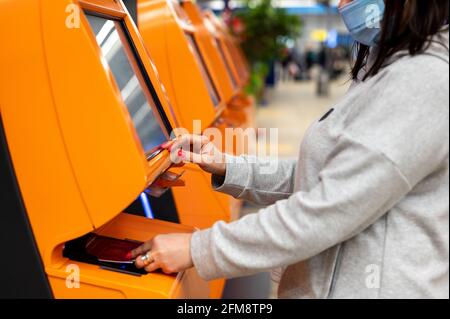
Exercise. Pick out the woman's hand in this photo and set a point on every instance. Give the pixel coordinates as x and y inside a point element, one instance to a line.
<point>199,150</point>
<point>189,148</point>
<point>171,253</point>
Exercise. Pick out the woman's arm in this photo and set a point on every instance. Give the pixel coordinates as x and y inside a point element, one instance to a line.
<point>257,180</point>
<point>358,186</point>
<point>395,137</point>
<point>246,177</point>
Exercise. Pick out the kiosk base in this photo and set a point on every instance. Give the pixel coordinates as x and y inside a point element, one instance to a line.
<point>88,279</point>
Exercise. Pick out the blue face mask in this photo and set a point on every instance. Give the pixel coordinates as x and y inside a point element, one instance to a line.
<point>363,19</point>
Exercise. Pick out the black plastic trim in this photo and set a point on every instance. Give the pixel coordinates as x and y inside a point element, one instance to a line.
<point>22,272</point>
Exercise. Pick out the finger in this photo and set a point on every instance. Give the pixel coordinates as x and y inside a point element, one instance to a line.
<point>170,176</point>
<point>144,260</point>
<point>192,157</point>
<point>195,139</point>
<point>139,263</point>
<point>182,142</point>
<point>185,141</point>
<point>152,267</point>
<point>211,152</point>
<point>156,190</point>
<point>167,272</point>
<point>167,145</point>
<point>142,249</point>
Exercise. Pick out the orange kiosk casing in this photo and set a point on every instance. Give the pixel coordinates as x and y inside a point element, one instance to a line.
<point>211,41</point>
<point>198,95</point>
<point>232,53</point>
<point>78,149</point>
<point>230,46</point>
<point>171,40</point>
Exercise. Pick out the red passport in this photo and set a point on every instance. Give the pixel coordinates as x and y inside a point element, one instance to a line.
<point>111,250</point>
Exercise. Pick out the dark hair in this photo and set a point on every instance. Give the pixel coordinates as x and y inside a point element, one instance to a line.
<point>407,25</point>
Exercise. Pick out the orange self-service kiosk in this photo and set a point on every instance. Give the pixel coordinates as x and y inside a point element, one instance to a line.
<point>213,53</point>
<point>195,89</point>
<point>172,42</point>
<point>211,43</point>
<point>81,124</point>
<point>229,46</point>
<point>243,106</point>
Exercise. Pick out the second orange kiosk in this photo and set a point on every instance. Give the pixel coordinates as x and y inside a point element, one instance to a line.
<point>234,58</point>
<point>200,90</point>
<point>234,75</point>
<point>197,97</point>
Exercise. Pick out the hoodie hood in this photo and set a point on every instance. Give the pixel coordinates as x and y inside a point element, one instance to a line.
<point>438,47</point>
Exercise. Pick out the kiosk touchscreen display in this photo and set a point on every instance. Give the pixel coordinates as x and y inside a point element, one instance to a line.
<point>203,69</point>
<point>110,36</point>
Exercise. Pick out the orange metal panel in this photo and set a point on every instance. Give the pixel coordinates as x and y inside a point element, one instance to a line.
<point>164,26</point>
<point>229,46</point>
<point>165,39</point>
<point>106,6</point>
<point>101,283</point>
<point>209,46</point>
<point>75,152</point>
<point>88,121</point>
<point>48,185</point>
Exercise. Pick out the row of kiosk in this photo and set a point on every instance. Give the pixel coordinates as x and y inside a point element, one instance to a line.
<point>85,106</point>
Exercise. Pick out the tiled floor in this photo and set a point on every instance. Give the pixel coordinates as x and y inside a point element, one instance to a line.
<point>291,107</point>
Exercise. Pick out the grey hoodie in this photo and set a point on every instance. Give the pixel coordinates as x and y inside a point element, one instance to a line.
<point>364,211</point>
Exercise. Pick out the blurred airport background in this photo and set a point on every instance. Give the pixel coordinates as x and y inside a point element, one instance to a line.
<point>298,75</point>
<point>296,78</point>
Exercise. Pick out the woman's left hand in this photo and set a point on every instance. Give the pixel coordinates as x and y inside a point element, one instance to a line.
<point>171,253</point>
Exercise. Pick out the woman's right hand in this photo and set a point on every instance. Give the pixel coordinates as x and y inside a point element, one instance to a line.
<point>199,150</point>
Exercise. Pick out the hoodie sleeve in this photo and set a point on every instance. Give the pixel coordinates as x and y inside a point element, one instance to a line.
<point>394,136</point>
<point>350,197</point>
<point>261,181</point>
<point>368,172</point>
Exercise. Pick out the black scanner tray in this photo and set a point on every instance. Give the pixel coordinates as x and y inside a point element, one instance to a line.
<point>76,250</point>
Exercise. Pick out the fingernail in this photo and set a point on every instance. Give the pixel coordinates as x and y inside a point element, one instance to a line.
<point>167,145</point>
<point>129,255</point>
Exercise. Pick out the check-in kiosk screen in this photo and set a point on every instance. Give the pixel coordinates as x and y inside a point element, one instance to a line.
<point>204,70</point>
<point>227,64</point>
<point>110,36</point>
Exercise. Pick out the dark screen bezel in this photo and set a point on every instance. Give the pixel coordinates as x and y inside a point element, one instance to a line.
<point>141,68</point>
